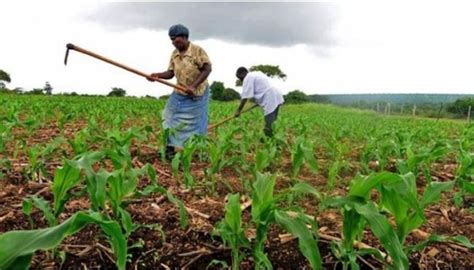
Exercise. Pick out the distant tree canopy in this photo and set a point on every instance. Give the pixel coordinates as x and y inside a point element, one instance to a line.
<point>117,92</point>
<point>461,106</point>
<point>269,70</point>
<point>296,96</point>
<point>220,92</point>
<point>4,77</point>
<point>217,88</point>
<point>230,94</point>
<point>36,91</point>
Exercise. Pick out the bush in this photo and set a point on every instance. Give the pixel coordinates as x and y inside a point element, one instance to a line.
<point>461,106</point>
<point>219,92</point>
<point>117,92</point>
<point>296,96</point>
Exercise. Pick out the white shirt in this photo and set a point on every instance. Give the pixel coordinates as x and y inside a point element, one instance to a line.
<point>256,85</point>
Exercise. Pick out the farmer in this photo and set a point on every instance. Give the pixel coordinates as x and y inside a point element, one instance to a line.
<point>256,85</point>
<point>186,112</point>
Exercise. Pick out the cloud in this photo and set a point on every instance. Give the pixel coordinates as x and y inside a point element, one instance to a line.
<point>267,24</point>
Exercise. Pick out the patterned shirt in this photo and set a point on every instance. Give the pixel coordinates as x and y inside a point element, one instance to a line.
<point>187,67</point>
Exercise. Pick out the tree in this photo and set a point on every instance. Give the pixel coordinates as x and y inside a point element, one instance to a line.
<point>296,96</point>
<point>269,70</point>
<point>36,91</point>
<point>48,89</point>
<point>17,90</point>
<point>461,106</point>
<point>220,92</point>
<point>217,90</point>
<point>4,77</point>
<point>117,92</point>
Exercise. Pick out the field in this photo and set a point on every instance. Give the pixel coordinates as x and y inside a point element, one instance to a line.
<point>85,182</point>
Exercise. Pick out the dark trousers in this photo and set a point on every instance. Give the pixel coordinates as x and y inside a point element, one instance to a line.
<point>269,119</point>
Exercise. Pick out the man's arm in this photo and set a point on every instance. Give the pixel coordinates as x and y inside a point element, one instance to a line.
<point>241,106</point>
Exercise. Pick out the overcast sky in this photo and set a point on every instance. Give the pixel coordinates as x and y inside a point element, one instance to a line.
<point>327,47</point>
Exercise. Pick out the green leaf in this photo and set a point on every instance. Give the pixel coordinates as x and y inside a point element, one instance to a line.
<point>361,186</point>
<point>27,207</point>
<point>263,206</point>
<point>309,157</point>
<point>151,173</point>
<point>385,233</point>
<point>433,192</point>
<point>262,197</point>
<point>65,178</point>
<point>183,217</point>
<point>462,240</point>
<point>188,179</point>
<point>305,188</point>
<point>340,202</point>
<point>306,241</point>
<point>261,160</point>
<point>352,227</point>
<point>126,220</point>
<point>297,159</point>
<point>231,231</point>
<point>44,206</point>
<point>175,163</point>
<point>233,212</point>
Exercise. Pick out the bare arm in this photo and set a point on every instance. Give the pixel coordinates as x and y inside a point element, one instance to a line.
<point>241,106</point>
<point>205,71</point>
<point>169,74</point>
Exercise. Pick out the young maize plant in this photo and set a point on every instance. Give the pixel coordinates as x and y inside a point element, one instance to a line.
<point>185,158</point>
<point>17,247</point>
<point>264,157</point>
<point>5,136</point>
<point>301,152</point>
<point>31,124</point>
<point>401,200</point>
<point>465,172</point>
<point>231,231</point>
<point>217,151</point>
<point>80,142</point>
<point>357,211</point>
<point>104,188</point>
<point>423,160</point>
<point>63,119</point>
<point>340,149</point>
<point>265,211</point>
<point>65,179</point>
<point>38,156</point>
<point>398,197</point>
